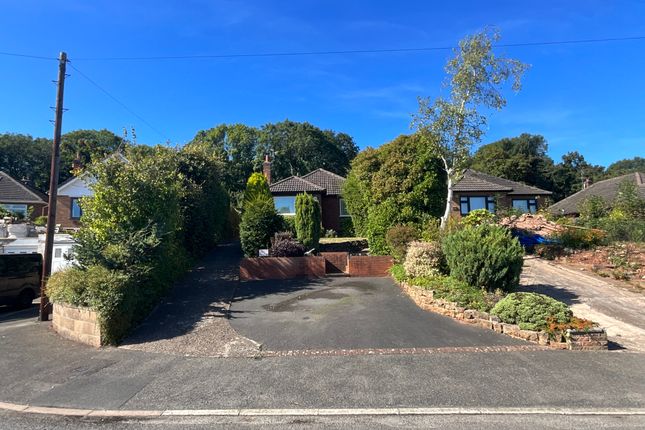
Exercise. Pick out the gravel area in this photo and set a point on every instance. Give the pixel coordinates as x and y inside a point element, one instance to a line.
<point>194,319</point>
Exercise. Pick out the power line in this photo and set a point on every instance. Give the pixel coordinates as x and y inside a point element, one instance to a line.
<point>123,105</point>
<point>331,52</point>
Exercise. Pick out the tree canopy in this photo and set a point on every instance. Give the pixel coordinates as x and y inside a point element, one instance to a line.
<point>296,148</point>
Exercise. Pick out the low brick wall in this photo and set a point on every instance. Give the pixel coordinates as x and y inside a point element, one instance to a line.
<point>253,269</point>
<point>370,265</point>
<point>77,324</point>
<point>335,262</point>
<point>594,339</point>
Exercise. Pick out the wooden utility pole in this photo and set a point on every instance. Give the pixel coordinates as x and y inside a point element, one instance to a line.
<point>45,306</point>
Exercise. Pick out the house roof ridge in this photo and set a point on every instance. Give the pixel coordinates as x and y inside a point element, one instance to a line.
<point>31,190</point>
<point>325,171</point>
<point>298,178</point>
<point>508,181</point>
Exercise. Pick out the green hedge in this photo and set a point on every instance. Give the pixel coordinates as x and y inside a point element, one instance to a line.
<point>259,223</point>
<point>531,311</point>
<point>484,256</point>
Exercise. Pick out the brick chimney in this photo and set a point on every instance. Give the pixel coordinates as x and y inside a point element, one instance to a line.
<point>77,165</point>
<point>266,168</point>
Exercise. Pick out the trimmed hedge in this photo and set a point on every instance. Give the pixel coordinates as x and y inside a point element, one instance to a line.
<point>398,238</point>
<point>531,311</point>
<point>486,256</point>
<point>259,223</point>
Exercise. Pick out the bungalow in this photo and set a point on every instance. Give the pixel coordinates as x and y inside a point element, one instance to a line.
<point>476,190</point>
<point>322,184</point>
<point>18,196</point>
<point>607,190</point>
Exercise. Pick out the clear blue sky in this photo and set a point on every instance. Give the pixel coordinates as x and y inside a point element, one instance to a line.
<point>589,98</point>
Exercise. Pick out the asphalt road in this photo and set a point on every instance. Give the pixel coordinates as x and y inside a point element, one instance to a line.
<point>346,313</point>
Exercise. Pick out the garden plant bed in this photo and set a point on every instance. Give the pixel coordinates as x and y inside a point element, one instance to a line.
<point>590,339</point>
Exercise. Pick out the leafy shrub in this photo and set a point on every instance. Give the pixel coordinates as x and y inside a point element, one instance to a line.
<point>453,290</point>
<point>623,230</point>
<point>308,220</point>
<point>629,202</point>
<point>379,220</point>
<point>398,272</point>
<point>398,238</point>
<point>286,247</point>
<point>346,227</point>
<point>289,224</point>
<point>41,221</point>
<point>594,207</point>
<point>485,256</point>
<point>478,217</point>
<point>424,259</point>
<point>579,238</point>
<point>531,311</point>
<point>259,223</point>
<point>330,233</point>
<point>111,293</point>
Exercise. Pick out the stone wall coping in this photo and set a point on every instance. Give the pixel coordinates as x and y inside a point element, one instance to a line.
<point>590,339</point>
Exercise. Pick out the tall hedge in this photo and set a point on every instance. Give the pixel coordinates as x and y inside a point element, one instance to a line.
<point>308,220</point>
<point>485,256</point>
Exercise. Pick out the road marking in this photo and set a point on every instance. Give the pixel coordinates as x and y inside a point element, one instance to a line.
<point>50,410</point>
<point>401,351</point>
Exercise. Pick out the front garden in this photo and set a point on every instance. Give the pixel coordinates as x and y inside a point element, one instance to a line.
<point>471,272</point>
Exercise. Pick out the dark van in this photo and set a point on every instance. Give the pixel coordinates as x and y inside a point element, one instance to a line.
<point>20,278</point>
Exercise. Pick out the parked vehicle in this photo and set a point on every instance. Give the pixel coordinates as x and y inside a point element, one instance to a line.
<point>20,278</point>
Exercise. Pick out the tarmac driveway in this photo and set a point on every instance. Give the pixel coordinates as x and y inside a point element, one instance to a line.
<point>345,313</point>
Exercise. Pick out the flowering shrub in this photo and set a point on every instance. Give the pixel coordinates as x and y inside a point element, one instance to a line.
<point>423,259</point>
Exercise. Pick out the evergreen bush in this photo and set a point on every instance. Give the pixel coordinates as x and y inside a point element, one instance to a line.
<point>257,188</point>
<point>398,238</point>
<point>486,256</point>
<point>308,221</point>
<point>531,311</point>
<point>259,223</point>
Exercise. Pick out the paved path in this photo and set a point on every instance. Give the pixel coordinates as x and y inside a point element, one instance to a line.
<point>346,313</point>
<point>619,311</point>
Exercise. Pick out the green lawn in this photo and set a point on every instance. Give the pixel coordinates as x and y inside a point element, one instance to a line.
<point>340,239</point>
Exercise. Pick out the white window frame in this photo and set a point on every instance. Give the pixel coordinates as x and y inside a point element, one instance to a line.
<point>71,208</point>
<point>283,197</point>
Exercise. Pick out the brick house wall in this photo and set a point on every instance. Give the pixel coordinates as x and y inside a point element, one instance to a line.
<point>502,200</point>
<point>64,213</point>
<point>330,207</point>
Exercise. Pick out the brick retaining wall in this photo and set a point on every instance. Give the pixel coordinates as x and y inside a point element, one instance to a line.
<point>370,265</point>
<point>78,324</point>
<point>593,339</point>
<point>253,269</point>
<point>335,262</point>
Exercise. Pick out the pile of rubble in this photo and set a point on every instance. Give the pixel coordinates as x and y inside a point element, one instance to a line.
<point>536,224</point>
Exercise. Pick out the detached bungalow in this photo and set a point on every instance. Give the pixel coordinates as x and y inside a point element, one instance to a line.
<point>322,184</point>
<point>17,196</point>
<point>478,190</point>
<point>607,189</point>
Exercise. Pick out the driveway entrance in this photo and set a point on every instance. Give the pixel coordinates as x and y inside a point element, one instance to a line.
<point>346,313</point>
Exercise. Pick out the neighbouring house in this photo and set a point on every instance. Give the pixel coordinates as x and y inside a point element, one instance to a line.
<point>607,190</point>
<point>68,210</point>
<point>322,184</point>
<point>18,196</point>
<point>476,190</point>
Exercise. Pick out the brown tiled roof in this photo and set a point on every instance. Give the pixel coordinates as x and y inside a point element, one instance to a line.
<point>607,189</point>
<point>474,181</point>
<point>14,191</point>
<point>331,182</point>
<point>295,184</point>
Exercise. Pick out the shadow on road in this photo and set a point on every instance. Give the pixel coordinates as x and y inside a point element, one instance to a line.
<point>558,293</point>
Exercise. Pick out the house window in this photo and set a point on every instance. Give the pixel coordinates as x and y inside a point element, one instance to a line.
<point>58,252</point>
<point>525,205</point>
<point>470,203</point>
<point>76,208</point>
<point>343,208</point>
<point>16,209</point>
<point>285,205</point>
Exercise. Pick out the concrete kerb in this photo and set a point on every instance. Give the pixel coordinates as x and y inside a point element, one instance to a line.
<point>117,413</point>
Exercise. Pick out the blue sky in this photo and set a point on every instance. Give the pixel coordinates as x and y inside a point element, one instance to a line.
<point>589,98</point>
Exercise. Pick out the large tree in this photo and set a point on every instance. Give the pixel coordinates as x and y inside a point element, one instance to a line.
<point>296,148</point>
<point>570,174</point>
<point>623,167</point>
<point>475,79</point>
<point>523,159</point>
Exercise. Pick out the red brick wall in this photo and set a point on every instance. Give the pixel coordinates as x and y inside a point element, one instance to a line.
<point>64,212</point>
<point>281,268</point>
<point>330,207</point>
<point>39,210</point>
<point>335,262</point>
<point>370,265</point>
